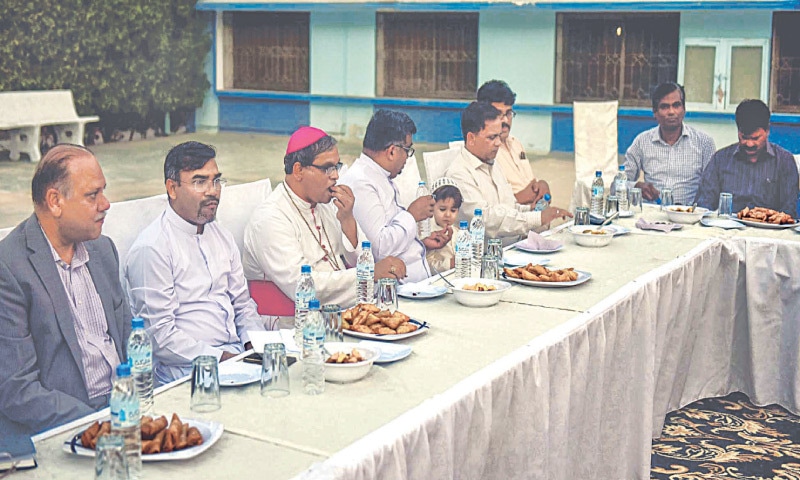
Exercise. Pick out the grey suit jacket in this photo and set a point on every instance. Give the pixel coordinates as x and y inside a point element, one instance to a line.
<point>41,371</point>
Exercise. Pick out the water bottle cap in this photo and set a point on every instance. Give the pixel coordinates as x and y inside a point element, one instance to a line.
<point>622,168</point>
<point>547,197</point>
<point>313,304</point>
<point>365,244</point>
<point>305,269</point>
<point>658,201</point>
<point>598,173</point>
<point>422,183</point>
<point>478,211</point>
<point>137,323</point>
<point>124,370</point>
<point>463,224</point>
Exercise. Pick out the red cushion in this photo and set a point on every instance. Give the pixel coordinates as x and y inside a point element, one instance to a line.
<point>270,299</point>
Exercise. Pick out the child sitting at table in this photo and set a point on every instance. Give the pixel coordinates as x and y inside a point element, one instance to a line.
<point>445,212</point>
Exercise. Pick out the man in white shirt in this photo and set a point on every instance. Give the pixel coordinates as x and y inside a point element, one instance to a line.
<point>483,185</point>
<point>511,156</point>
<point>184,271</point>
<point>308,220</point>
<point>390,228</point>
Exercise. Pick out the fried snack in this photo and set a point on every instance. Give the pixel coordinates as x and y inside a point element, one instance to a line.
<point>765,215</point>
<point>395,320</point>
<point>406,328</point>
<point>372,319</point>
<point>340,357</point>
<point>386,331</point>
<point>90,434</point>
<point>173,434</point>
<point>183,441</point>
<point>193,437</point>
<point>361,328</point>
<point>595,232</point>
<point>480,287</point>
<point>367,318</point>
<point>151,447</point>
<point>151,428</point>
<point>539,273</point>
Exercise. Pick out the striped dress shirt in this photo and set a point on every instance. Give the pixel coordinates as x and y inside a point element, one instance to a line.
<point>99,352</point>
<point>677,166</point>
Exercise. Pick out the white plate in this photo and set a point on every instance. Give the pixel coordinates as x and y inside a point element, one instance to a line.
<point>618,230</point>
<point>416,291</point>
<point>234,374</point>
<point>389,352</point>
<point>211,432</point>
<point>726,223</point>
<point>626,213</point>
<point>422,327</point>
<point>770,226</point>
<point>582,277</point>
<point>513,258</point>
<point>530,250</point>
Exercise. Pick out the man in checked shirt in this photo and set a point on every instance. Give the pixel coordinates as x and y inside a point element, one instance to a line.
<point>671,155</point>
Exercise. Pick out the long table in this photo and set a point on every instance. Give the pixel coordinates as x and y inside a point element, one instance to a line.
<point>551,383</point>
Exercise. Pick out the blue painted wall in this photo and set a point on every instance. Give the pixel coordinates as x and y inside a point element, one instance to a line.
<point>272,116</point>
<point>435,125</point>
<point>628,127</point>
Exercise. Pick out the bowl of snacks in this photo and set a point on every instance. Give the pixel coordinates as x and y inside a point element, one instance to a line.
<point>479,292</point>
<point>348,362</point>
<point>687,215</point>
<point>591,236</point>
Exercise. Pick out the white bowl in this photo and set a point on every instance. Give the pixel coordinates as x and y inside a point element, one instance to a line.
<point>348,372</point>
<point>685,217</point>
<point>591,239</point>
<point>474,298</point>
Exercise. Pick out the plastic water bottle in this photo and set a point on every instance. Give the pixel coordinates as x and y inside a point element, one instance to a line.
<point>598,190</point>
<point>304,293</point>
<point>365,275</point>
<point>140,353</point>
<point>620,188</point>
<point>477,231</point>
<point>463,250</point>
<point>125,418</point>
<point>313,341</point>
<point>543,203</point>
<point>423,226</point>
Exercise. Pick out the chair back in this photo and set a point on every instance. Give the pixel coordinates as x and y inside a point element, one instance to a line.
<point>237,204</point>
<point>436,163</point>
<point>595,134</point>
<point>456,144</point>
<point>269,299</point>
<point>407,182</point>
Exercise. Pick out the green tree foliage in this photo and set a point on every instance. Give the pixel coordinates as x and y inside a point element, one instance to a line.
<point>129,61</point>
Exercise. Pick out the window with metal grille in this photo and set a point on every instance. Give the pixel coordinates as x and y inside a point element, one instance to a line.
<point>615,56</point>
<point>268,51</point>
<point>427,55</point>
<point>785,91</point>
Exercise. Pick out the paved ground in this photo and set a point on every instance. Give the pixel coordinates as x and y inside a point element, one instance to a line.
<point>135,169</point>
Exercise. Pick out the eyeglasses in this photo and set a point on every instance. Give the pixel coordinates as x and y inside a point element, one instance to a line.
<point>200,185</point>
<point>329,170</point>
<point>509,114</point>
<point>409,150</point>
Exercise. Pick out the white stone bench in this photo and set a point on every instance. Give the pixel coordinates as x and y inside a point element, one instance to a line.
<point>25,113</point>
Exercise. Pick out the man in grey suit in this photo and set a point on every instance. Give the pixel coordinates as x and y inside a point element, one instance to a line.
<point>64,320</point>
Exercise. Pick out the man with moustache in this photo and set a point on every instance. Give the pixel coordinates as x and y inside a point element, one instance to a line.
<point>671,155</point>
<point>184,271</point>
<point>483,185</point>
<point>390,228</point>
<point>308,220</point>
<point>64,321</point>
<point>511,156</point>
<point>756,171</point>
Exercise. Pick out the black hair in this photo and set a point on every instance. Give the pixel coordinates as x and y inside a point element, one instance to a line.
<point>664,89</point>
<point>495,91</point>
<point>306,155</point>
<point>449,191</point>
<point>386,128</point>
<point>186,157</point>
<point>752,115</point>
<point>475,116</point>
<point>52,171</point>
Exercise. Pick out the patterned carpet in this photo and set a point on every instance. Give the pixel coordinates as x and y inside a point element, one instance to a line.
<point>728,437</point>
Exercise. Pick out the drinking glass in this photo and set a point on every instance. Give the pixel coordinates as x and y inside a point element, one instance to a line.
<point>332,317</point>
<point>274,371</point>
<point>582,216</point>
<point>111,463</point>
<point>205,384</point>
<point>612,205</point>
<point>387,294</point>
<point>636,199</point>
<point>725,205</point>
<point>666,198</point>
<point>494,248</point>
<point>490,269</point>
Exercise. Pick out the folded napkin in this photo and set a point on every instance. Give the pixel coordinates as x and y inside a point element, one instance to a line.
<point>538,242</point>
<point>661,227</point>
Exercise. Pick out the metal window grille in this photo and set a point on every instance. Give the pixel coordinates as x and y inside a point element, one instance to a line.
<point>428,55</point>
<point>615,57</point>
<point>270,51</point>
<point>786,62</point>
